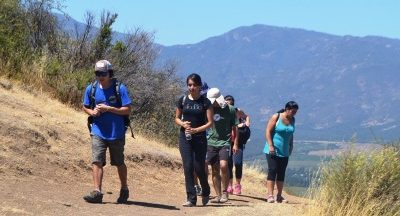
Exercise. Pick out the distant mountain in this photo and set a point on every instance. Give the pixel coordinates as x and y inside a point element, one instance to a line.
<point>345,86</point>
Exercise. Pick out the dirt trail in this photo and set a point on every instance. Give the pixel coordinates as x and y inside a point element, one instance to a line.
<point>45,169</point>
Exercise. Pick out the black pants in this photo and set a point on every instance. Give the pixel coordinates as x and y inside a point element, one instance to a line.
<point>237,160</point>
<point>276,167</point>
<point>193,153</point>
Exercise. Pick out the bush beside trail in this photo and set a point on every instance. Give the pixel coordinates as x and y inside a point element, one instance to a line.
<point>36,52</point>
<point>364,183</point>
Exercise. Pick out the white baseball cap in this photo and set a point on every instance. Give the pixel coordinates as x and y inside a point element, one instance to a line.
<point>213,94</point>
<point>103,65</point>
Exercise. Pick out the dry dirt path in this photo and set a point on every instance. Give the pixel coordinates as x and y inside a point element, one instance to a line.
<point>45,169</point>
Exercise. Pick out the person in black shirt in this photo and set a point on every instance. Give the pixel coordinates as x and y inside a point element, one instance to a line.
<point>194,115</point>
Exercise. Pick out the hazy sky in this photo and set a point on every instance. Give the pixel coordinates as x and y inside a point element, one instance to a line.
<point>191,21</point>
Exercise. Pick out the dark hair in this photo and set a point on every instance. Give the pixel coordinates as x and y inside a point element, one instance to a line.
<point>195,78</point>
<point>111,72</point>
<point>230,97</point>
<point>289,105</point>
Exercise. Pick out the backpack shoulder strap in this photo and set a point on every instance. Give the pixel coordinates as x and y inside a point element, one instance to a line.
<point>184,100</point>
<point>277,118</point>
<point>92,101</point>
<point>204,101</point>
<point>117,86</point>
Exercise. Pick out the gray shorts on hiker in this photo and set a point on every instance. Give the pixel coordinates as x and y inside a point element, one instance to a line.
<point>99,149</point>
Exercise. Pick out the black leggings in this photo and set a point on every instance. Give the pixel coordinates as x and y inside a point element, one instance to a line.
<point>237,160</point>
<point>276,167</point>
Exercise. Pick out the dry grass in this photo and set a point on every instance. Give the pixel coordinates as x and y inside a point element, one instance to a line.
<point>358,184</point>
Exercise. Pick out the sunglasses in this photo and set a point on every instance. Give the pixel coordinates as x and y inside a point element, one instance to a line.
<point>101,73</point>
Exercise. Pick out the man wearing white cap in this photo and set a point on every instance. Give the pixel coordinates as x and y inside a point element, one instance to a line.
<point>219,142</point>
<point>107,102</point>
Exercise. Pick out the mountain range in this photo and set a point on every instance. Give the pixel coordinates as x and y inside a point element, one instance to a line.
<point>346,87</point>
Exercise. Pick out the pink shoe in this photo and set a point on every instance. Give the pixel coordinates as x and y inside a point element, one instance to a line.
<point>229,189</point>
<point>237,190</point>
<point>270,199</point>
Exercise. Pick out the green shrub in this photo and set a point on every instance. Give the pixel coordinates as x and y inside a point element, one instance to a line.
<point>364,183</point>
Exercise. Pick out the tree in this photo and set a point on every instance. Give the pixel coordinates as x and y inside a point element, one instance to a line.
<point>102,42</point>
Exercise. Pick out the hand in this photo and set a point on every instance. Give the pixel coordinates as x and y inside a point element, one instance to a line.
<point>95,112</point>
<point>271,150</point>
<point>235,149</point>
<point>103,108</point>
<point>191,130</point>
<point>186,124</point>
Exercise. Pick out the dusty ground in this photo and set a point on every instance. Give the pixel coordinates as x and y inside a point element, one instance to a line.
<point>45,169</point>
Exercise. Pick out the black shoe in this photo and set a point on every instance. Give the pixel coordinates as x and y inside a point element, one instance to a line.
<point>94,197</point>
<point>205,199</point>
<point>123,196</point>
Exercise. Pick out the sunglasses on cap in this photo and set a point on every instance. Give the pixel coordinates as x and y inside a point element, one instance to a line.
<point>101,73</point>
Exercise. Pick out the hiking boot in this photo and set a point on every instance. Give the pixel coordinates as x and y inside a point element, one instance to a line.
<point>217,199</point>
<point>123,195</point>
<point>237,190</point>
<point>205,199</point>
<point>188,204</point>
<point>224,197</point>
<point>94,197</point>
<point>229,189</point>
<point>199,192</point>
<point>281,199</point>
<point>270,199</point>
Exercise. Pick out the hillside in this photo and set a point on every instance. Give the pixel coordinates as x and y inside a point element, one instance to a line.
<point>45,168</point>
<point>344,85</point>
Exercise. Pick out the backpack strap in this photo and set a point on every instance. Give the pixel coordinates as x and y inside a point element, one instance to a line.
<point>184,100</point>
<point>277,118</point>
<point>117,89</point>
<point>117,86</point>
<point>183,103</point>
<point>92,104</point>
<point>92,101</point>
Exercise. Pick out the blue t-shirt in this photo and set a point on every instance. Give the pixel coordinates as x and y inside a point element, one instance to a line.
<point>281,138</point>
<point>108,126</point>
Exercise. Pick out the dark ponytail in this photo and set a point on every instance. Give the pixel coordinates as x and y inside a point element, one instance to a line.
<point>281,111</point>
<point>289,105</point>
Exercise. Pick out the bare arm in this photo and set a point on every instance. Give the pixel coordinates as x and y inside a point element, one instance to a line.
<point>242,114</point>
<point>291,145</point>
<point>236,141</point>
<point>178,120</point>
<point>247,120</point>
<point>268,132</point>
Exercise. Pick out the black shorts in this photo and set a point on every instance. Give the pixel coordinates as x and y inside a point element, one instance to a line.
<point>216,154</point>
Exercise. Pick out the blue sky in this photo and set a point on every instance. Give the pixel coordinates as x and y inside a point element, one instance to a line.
<point>191,21</point>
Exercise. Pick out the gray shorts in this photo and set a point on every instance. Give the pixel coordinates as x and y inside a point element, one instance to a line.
<point>99,149</point>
